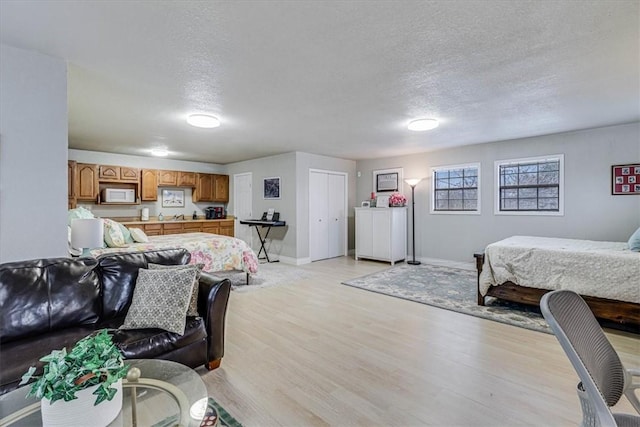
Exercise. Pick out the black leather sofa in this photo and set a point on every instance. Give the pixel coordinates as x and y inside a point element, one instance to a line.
<point>48,304</point>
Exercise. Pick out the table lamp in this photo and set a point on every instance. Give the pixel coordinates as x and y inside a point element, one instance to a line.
<point>86,234</point>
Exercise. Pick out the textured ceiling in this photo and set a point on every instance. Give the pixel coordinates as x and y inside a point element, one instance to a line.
<point>340,78</point>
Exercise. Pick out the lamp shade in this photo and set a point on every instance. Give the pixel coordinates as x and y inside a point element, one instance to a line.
<point>413,181</point>
<point>86,233</point>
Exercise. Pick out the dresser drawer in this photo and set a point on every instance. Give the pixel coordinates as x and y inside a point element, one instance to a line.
<point>192,227</point>
<point>172,227</point>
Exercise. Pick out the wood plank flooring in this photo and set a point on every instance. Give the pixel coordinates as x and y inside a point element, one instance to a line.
<point>318,353</point>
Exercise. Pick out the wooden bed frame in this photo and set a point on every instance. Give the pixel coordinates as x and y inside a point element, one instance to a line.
<point>611,313</point>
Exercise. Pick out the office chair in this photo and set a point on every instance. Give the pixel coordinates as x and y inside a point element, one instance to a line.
<point>603,377</point>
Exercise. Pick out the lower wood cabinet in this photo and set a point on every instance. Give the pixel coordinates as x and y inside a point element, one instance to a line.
<point>224,227</point>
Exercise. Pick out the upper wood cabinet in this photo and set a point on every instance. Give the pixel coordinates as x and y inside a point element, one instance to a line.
<point>186,179</point>
<point>149,191</point>
<point>203,192</point>
<point>167,178</point>
<point>71,182</point>
<point>86,182</point>
<point>118,173</point>
<point>221,188</point>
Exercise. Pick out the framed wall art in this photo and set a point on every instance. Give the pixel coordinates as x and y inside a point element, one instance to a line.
<point>173,198</point>
<point>625,179</point>
<point>387,180</point>
<point>271,187</point>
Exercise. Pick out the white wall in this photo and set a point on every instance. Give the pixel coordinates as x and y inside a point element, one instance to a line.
<point>283,239</point>
<point>33,155</point>
<point>155,208</point>
<point>590,212</point>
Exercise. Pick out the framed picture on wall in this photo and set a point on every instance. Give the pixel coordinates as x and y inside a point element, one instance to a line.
<point>271,187</point>
<point>173,198</point>
<point>624,179</point>
<point>387,180</point>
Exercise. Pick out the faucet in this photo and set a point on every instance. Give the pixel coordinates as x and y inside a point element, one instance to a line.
<point>177,217</point>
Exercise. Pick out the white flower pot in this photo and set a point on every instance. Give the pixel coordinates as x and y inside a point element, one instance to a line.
<point>81,411</point>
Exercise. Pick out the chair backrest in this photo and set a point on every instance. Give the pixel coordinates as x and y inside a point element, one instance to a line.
<point>592,355</point>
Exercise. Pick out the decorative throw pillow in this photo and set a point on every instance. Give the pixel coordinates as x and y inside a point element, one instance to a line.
<point>193,302</point>
<point>113,236</point>
<point>160,300</point>
<point>125,232</point>
<point>138,235</point>
<point>79,213</point>
<point>634,241</point>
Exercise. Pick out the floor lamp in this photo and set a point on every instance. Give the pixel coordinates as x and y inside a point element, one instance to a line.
<point>412,183</point>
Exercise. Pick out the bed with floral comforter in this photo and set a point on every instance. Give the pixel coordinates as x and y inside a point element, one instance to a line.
<point>216,252</point>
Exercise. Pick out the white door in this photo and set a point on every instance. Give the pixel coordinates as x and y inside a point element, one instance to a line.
<point>337,215</point>
<point>318,216</point>
<point>242,205</point>
<point>327,214</point>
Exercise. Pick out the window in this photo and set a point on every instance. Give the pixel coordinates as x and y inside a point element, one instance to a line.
<point>532,186</point>
<point>456,189</point>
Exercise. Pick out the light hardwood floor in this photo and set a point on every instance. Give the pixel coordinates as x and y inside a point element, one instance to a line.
<point>314,352</point>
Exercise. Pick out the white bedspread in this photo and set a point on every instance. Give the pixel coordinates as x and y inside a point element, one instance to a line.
<point>600,269</point>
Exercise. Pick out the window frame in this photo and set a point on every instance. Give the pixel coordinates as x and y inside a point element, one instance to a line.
<point>549,158</point>
<point>435,169</point>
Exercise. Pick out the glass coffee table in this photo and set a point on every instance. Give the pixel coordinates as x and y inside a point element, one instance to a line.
<point>159,393</point>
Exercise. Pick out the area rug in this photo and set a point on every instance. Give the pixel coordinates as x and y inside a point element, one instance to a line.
<point>449,288</point>
<point>224,418</point>
<point>268,275</point>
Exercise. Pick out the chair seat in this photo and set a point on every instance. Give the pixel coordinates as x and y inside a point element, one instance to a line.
<point>627,420</point>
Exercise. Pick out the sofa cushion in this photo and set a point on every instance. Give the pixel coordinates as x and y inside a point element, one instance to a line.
<point>118,273</point>
<point>18,355</point>
<point>44,295</point>
<point>150,343</point>
<point>161,299</point>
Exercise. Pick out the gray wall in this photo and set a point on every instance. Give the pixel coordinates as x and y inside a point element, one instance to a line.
<point>148,163</point>
<point>304,162</point>
<point>283,240</point>
<point>590,211</point>
<point>33,155</point>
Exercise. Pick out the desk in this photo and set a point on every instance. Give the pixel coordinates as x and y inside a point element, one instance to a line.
<point>264,224</point>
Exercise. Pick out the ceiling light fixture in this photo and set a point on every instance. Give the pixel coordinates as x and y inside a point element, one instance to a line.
<point>160,152</point>
<point>423,124</point>
<point>203,121</point>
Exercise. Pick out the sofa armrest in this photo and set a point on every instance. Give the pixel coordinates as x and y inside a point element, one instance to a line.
<point>213,296</point>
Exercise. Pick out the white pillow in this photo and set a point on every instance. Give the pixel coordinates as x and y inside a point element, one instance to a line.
<point>113,236</point>
<point>138,235</point>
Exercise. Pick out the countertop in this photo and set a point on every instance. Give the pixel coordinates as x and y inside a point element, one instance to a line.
<point>154,220</point>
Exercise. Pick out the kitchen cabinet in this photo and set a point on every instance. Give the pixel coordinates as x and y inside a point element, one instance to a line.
<point>224,227</point>
<point>151,229</point>
<point>172,228</point>
<point>118,174</point>
<point>186,179</point>
<point>221,188</point>
<point>149,180</point>
<point>71,184</point>
<point>381,234</point>
<point>203,192</point>
<point>167,178</point>
<point>86,182</point>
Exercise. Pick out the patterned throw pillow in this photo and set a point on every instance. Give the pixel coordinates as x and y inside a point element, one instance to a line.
<point>193,302</point>
<point>138,235</point>
<point>113,236</point>
<point>160,300</point>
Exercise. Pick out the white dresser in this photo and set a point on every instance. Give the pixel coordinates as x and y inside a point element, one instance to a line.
<point>381,234</point>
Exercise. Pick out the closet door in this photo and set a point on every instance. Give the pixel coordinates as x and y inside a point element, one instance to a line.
<point>318,216</point>
<point>336,215</point>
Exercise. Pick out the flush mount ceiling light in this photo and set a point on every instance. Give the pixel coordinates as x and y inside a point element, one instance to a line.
<point>423,124</point>
<point>203,121</point>
<point>160,152</point>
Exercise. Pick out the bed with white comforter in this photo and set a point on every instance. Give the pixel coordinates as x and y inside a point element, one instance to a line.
<point>599,269</point>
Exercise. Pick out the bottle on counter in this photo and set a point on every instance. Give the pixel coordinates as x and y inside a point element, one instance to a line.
<point>195,215</point>
<point>160,217</point>
<point>372,202</point>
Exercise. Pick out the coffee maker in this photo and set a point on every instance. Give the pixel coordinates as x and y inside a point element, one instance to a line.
<point>214,212</point>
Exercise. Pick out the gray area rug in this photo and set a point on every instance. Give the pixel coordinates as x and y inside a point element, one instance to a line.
<point>449,288</point>
<point>268,275</point>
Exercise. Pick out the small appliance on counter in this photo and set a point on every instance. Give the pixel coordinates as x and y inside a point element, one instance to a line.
<point>144,214</point>
<point>214,212</point>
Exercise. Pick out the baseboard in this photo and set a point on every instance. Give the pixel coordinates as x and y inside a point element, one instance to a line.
<point>294,261</point>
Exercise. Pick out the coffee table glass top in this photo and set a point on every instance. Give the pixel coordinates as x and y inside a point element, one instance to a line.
<point>162,389</point>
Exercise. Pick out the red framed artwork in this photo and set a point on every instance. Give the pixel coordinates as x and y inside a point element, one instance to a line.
<point>625,179</point>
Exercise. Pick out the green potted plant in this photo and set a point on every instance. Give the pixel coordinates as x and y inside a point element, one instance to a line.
<point>70,380</point>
